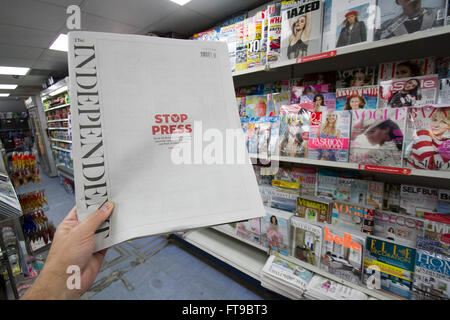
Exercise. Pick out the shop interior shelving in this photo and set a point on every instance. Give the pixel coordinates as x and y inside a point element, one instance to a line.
<point>249,257</point>
<point>62,125</point>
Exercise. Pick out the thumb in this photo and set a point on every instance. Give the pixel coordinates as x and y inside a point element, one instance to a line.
<point>91,223</point>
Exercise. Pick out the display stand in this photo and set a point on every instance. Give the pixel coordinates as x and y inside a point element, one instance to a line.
<point>248,257</point>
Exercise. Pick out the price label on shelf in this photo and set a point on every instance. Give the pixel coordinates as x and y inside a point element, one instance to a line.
<point>319,56</point>
<point>394,170</point>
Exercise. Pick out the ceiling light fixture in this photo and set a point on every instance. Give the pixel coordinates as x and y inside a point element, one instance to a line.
<point>8,86</point>
<point>14,71</point>
<point>61,43</point>
<point>181,2</point>
<point>4,94</point>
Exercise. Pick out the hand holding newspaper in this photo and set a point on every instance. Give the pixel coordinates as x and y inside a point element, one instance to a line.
<point>156,130</point>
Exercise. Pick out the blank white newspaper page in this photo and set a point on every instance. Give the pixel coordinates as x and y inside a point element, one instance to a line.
<point>156,130</point>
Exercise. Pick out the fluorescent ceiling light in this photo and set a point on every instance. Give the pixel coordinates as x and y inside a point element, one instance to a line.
<point>8,86</point>
<point>61,43</point>
<point>181,2</point>
<point>58,91</point>
<point>14,71</point>
<point>4,94</point>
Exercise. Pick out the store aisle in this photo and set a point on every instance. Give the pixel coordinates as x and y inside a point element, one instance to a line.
<point>153,267</point>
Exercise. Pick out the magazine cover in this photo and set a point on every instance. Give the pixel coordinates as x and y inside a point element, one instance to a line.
<point>306,241</point>
<point>357,77</point>
<point>256,106</point>
<point>431,273</point>
<point>241,106</point>
<point>398,228</point>
<point>375,192</point>
<point>301,29</point>
<point>391,197</point>
<point>343,189</point>
<point>274,135</point>
<point>352,218</point>
<point>284,199</point>
<point>241,45</point>
<point>443,201</point>
<point>407,69</point>
<point>254,44</point>
<point>427,138</point>
<point>252,136</point>
<point>395,263</point>
<point>348,22</point>
<point>130,66</point>
<point>321,288</point>
<point>396,18</point>
<point>329,136</point>
<point>342,254</point>
<point>264,132</point>
<point>408,92</point>
<point>294,131</point>
<point>308,180</point>
<point>249,230</point>
<point>444,91</point>
<point>358,192</point>
<point>275,101</point>
<point>437,228</point>
<point>275,230</point>
<point>319,102</point>
<point>443,67</point>
<point>286,178</point>
<point>377,136</point>
<point>356,98</point>
<point>274,35</point>
<point>228,35</point>
<point>298,91</point>
<point>314,209</point>
<point>416,200</point>
<point>327,182</point>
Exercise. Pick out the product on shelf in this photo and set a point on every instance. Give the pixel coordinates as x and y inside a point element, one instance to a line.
<point>255,26</point>
<point>256,106</point>
<point>241,106</point>
<point>348,22</point>
<point>321,288</point>
<point>320,102</point>
<point>274,32</point>
<point>32,201</point>
<point>392,263</point>
<point>406,69</point>
<point>375,193</point>
<point>437,227</point>
<point>298,91</point>
<point>444,91</point>
<point>329,136</point>
<point>276,100</point>
<point>241,45</point>
<point>356,77</point>
<point>249,230</point>
<point>377,136</point>
<point>408,92</point>
<point>314,209</point>
<point>285,277</point>
<point>427,143</point>
<point>396,227</point>
<point>308,180</point>
<point>398,18</point>
<point>343,189</point>
<point>228,35</point>
<point>301,31</point>
<point>443,201</point>
<point>342,254</point>
<point>352,218</point>
<point>431,272</point>
<point>416,200</point>
<point>357,98</point>
<point>24,168</point>
<point>306,241</point>
<point>327,182</point>
<point>294,131</point>
<point>275,230</point>
<point>391,197</point>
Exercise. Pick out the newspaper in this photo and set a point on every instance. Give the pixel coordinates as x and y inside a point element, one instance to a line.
<point>149,117</point>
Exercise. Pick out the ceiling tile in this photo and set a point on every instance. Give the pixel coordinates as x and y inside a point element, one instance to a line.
<point>50,65</point>
<point>20,36</point>
<point>182,21</point>
<point>62,3</point>
<point>95,23</point>
<point>138,13</point>
<point>53,55</point>
<point>14,62</point>
<point>217,9</point>
<point>20,52</point>
<point>32,14</point>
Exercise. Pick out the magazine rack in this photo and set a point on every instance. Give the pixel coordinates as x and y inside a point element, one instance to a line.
<point>250,258</point>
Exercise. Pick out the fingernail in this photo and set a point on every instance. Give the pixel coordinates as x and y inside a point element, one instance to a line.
<point>106,206</point>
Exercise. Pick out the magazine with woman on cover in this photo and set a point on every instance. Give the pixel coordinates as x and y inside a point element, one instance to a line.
<point>377,136</point>
<point>407,69</point>
<point>294,131</point>
<point>301,30</point>
<point>357,98</point>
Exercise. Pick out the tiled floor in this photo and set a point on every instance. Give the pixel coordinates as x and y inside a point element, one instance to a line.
<point>154,267</point>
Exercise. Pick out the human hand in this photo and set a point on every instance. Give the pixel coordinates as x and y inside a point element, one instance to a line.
<point>73,245</point>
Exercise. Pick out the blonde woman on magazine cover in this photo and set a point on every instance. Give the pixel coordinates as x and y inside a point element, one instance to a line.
<point>329,130</point>
<point>299,39</point>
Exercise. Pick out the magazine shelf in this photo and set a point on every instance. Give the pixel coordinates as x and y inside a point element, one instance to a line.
<point>60,120</point>
<point>254,244</point>
<point>432,42</point>
<point>58,107</point>
<point>60,140</point>
<point>62,128</point>
<point>60,149</point>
